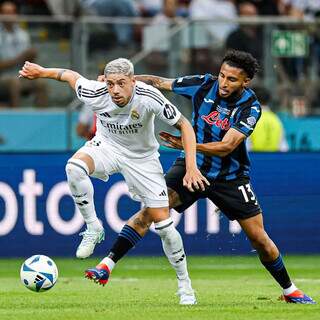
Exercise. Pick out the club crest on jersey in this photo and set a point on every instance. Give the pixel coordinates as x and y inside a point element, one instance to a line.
<point>134,115</point>
<point>213,118</point>
<point>223,110</point>
<point>169,111</point>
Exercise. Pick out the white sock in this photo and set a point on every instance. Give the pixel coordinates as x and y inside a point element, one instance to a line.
<point>289,290</point>
<point>173,247</point>
<point>82,191</point>
<point>185,283</point>
<point>109,263</point>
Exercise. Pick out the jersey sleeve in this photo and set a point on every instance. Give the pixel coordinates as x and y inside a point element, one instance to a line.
<point>247,118</point>
<point>164,109</point>
<point>91,92</point>
<point>188,86</point>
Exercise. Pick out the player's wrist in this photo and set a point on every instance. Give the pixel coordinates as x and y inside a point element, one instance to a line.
<point>191,165</point>
<point>45,73</point>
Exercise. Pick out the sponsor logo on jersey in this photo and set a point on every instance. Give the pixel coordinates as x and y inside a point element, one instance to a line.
<point>213,118</point>
<point>116,128</point>
<point>223,110</point>
<point>135,115</point>
<point>219,108</point>
<point>208,100</point>
<point>169,111</point>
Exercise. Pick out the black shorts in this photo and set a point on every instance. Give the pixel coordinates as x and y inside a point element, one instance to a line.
<point>235,198</point>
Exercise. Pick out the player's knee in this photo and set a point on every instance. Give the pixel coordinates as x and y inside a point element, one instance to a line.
<point>76,170</point>
<point>145,218</point>
<point>174,198</point>
<point>141,221</point>
<point>261,242</point>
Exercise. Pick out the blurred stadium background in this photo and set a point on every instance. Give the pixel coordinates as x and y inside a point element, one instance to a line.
<point>42,125</point>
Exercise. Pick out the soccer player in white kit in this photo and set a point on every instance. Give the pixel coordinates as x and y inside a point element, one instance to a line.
<point>125,143</point>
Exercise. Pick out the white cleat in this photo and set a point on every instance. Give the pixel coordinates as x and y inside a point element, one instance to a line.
<point>187,296</point>
<point>88,243</point>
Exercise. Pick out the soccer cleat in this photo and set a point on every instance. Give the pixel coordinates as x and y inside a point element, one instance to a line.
<point>100,274</point>
<point>297,296</point>
<point>88,243</point>
<point>187,296</point>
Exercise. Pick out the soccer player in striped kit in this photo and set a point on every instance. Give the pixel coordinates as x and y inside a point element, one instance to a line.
<point>225,112</point>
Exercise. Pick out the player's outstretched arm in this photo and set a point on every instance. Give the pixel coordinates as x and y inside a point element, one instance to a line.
<point>34,71</point>
<point>157,82</point>
<point>222,148</point>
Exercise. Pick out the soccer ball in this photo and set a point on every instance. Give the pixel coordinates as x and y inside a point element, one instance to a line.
<point>39,273</point>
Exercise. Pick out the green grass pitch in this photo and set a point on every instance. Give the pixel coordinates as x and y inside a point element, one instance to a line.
<point>144,288</point>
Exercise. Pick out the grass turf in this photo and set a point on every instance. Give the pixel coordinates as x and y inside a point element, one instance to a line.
<point>144,288</point>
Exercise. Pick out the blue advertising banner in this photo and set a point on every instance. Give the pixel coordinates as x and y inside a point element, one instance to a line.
<point>37,214</point>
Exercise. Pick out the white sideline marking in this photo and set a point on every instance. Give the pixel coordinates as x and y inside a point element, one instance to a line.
<point>307,280</point>
<point>125,279</point>
<point>209,267</point>
<point>194,267</point>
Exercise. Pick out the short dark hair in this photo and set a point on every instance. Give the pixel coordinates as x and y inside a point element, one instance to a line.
<point>242,60</point>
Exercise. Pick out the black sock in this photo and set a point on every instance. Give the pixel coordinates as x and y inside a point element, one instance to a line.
<point>127,239</point>
<point>278,271</point>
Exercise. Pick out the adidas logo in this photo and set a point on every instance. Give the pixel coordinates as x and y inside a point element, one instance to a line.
<point>105,114</point>
<point>82,203</point>
<point>38,278</point>
<point>163,193</point>
<point>181,259</point>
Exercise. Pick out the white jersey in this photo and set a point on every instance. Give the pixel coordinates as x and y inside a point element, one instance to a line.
<point>129,129</point>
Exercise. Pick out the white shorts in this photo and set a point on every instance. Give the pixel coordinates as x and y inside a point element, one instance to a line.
<point>144,177</point>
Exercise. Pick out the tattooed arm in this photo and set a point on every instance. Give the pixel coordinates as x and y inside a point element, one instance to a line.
<point>157,82</point>
<point>33,71</point>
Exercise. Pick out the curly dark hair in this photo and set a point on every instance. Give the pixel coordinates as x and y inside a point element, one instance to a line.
<point>242,60</point>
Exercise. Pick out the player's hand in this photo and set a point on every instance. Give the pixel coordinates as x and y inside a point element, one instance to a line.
<point>101,78</point>
<point>31,70</point>
<point>170,140</point>
<point>194,180</point>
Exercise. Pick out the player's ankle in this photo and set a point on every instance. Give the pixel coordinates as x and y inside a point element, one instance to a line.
<point>184,283</point>
<point>94,226</point>
<point>108,262</point>
<point>290,290</point>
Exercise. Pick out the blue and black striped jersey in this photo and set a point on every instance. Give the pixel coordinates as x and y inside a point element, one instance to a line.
<point>213,116</point>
